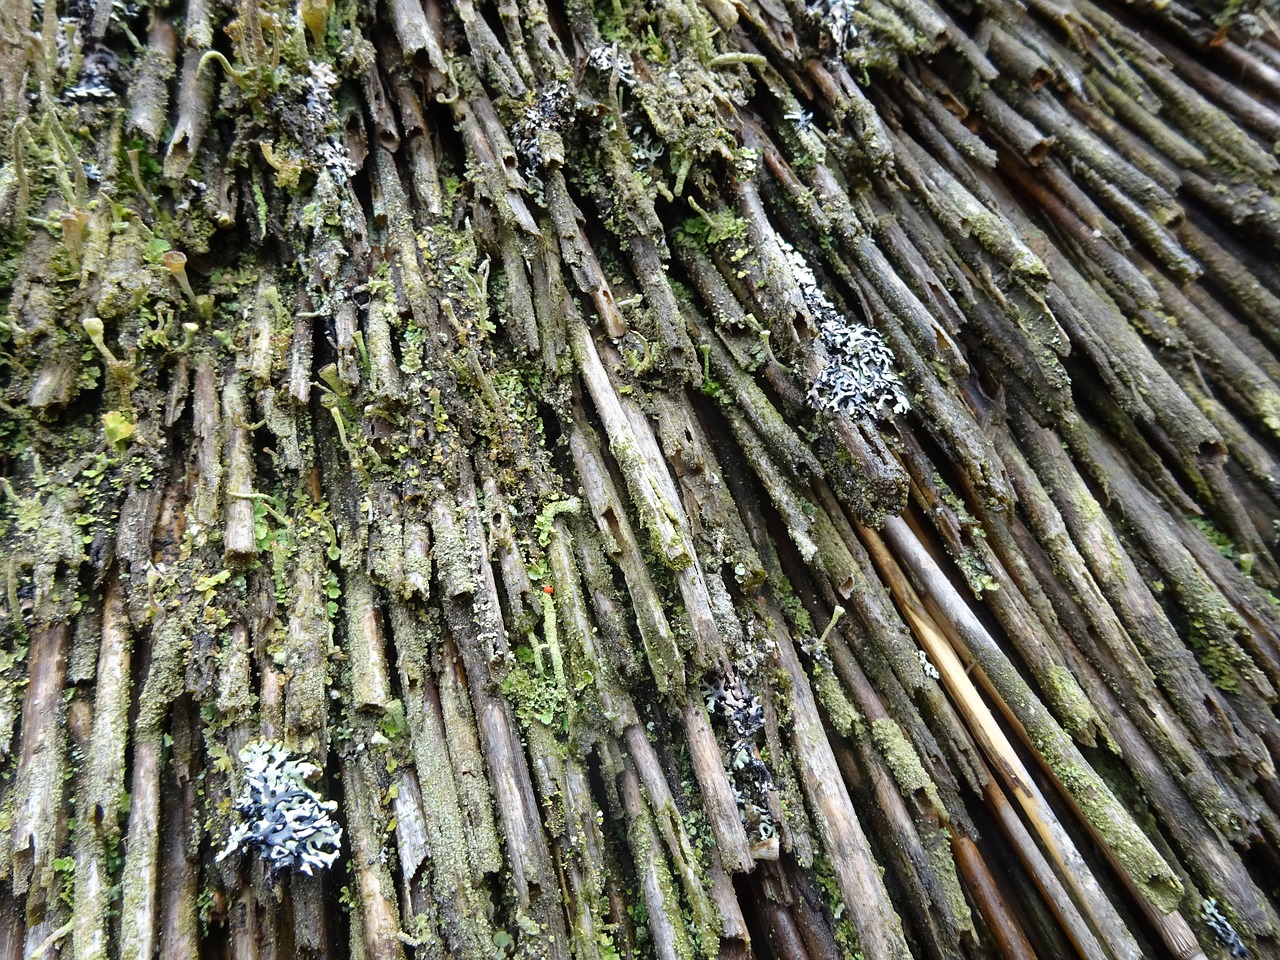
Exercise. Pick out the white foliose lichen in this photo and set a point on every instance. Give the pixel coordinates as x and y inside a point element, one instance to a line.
<point>605,59</point>
<point>837,17</point>
<point>730,700</point>
<point>1226,934</point>
<point>802,118</point>
<point>284,819</point>
<point>540,123</point>
<point>318,87</point>
<point>927,667</point>
<point>858,378</point>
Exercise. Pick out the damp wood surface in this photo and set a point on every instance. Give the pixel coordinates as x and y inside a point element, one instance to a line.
<point>689,479</point>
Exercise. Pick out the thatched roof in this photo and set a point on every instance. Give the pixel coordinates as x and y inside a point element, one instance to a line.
<point>687,479</point>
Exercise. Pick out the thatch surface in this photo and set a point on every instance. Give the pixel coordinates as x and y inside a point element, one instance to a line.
<point>696,478</point>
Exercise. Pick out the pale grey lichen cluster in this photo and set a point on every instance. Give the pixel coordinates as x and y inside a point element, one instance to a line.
<point>743,714</point>
<point>644,150</point>
<point>802,118</point>
<point>858,378</point>
<point>605,59</point>
<point>547,115</point>
<point>1222,929</point>
<point>927,667</point>
<point>98,68</point>
<point>837,17</point>
<point>317,89</point>
<point>284,819</point>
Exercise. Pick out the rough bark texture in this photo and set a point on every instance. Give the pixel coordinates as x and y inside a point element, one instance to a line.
<point>698,478</point>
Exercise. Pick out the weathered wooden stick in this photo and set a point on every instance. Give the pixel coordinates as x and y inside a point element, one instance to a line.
<point>138,916</point>
<point>1163,650</point>
<point>935,903</point>
<point>149,94</point>
<point>34,838</point>
<point>179,876</point>
<point>1103,812</point>
<point>670,934</point>
<point>1070,867</point>
<point>879,928</point>
<point>656,512</point>
<point>456,852</point>
<point>981,886</point>
<point>379,910</point>
<point>1115,655</point>
<point>1081,933</point>
<point>99,802</point>
<point>195,89</point>
<point>622,546</point>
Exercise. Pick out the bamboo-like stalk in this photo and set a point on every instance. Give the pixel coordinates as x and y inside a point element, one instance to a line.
<point>195,89</point>
<point>33,836</point>
<point>104,780</point>
<point>1057,891</point>
<point>1069,865</point>
<point>150,92</point>
<point>179,874</point>
<point>1039,644</point>
<point>379,910</point>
